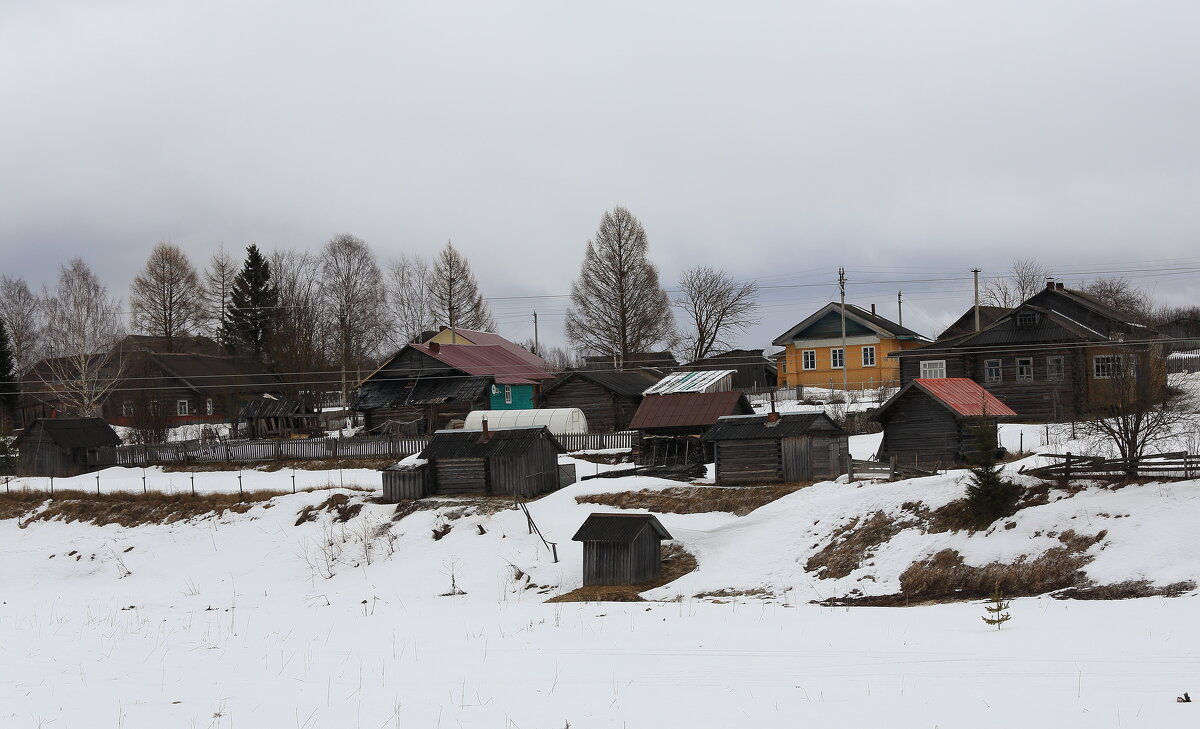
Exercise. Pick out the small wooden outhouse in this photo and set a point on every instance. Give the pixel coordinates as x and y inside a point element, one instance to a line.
<point>933,421</point>
<point>773,448</point>
<point>521,461</point>
<point>59,446</point>
<point>621,549</point>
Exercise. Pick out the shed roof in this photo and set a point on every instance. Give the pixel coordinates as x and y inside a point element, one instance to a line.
<point>75,432</point>
<point>962,396</point>
<point>657,360</point>
<point>481,338</point>
<point>965,324</point>
<point>209,374</point>
<point>617,527</point>
<point>630,383</point>
<point>487,359</point>
<point>499,444</point>
<point>688,409</point>
<point>266,407</point>
<point>693,381</point>
<point>382,392</point>
<point>758,427</point>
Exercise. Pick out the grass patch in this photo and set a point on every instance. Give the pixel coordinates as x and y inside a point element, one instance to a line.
<point>127,509</point>
<point>676,563</point>
<point>1126,591</point>
<point>739,500</point>
<point>337,504</point>
<point>329,464</point>
<point>852,544</point>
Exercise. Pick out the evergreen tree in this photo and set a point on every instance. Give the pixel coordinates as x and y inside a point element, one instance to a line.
<point>10,386</point>
<point>989,496</point>
<point>997,610</point>
<point>253,304</point>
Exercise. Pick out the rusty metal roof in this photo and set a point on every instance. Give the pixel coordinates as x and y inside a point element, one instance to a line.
<point>618,528</point>
<point>962,396</point>
<point>488,339</point>
<point>688,409</point>
<point>693,381</point>
<point>487,359</point>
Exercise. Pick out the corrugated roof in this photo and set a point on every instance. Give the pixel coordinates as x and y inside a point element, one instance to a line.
<point>618,528</point>
<point>76,432</point>
<point>688,409</point>
<point>382,392</point>
<point>205,373</point>
<point>965,324</point>
<point>628,382</point>
<point>756,427</point>
<point>864,317</point>
<point>694,381</point>
<point>486,359</point>
<point>482,338</point>
<point>500,443</point>
<point>960,395</point>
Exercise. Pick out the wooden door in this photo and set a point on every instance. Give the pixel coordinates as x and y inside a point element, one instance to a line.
<point>797,458</point>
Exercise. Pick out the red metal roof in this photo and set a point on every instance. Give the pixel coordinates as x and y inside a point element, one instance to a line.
<point>486,339</point>
<point>487,359</point>
<point>688,409</point>
<point>964,396</point>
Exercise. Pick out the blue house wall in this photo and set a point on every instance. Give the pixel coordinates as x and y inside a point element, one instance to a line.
<point>521,396</point>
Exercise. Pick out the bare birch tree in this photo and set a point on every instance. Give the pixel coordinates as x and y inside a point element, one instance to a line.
<point>618,308</point>
<point>82,324</point>
<point>454,293</point>
<point>1025,278</point>
<point>165,297</point>
<point>297,348</point>
<point>216,295</point>
<point>1120,294</point>
<point>409,294</point>
<point>352,288</point>
<point>22,312</point>
<point>716,306</point>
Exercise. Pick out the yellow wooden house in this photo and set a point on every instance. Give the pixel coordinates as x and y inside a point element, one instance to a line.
<point>812,353</point>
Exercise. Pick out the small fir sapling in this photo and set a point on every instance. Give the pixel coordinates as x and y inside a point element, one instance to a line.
<point>997,610</point>
<point>988,496</point>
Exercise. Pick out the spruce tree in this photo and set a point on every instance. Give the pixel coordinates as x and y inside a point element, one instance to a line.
<point>989,496</point>
<point>997,610</point>
<point>253,305</point>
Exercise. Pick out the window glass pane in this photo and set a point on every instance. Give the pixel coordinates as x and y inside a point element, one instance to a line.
<point>868,356</point>
<point>992,370</point>
<point>1024,368</point>
<point>933,369</point>
<point>838,360</point>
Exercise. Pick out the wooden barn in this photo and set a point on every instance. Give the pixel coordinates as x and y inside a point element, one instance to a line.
<point>266,417</point>
<point>59,446</point>
<point>772,448</point>
<point>934,421</point>
<point>607,399</point>
<point>621,549</point>
<point>521,461</point>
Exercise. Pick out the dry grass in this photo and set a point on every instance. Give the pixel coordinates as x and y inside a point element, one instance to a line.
<point>1126,591</point>
<point>956,515</point>
<point>850,545</point>
<point>337,504</point>
<point>676,563</point>
<point>124,508</point>
<point>739,500</point>
<point>329,464</point>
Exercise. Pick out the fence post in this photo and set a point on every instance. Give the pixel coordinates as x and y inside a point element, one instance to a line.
<point>850,468</point>
<point>279,450</point>
<point>892,471</point>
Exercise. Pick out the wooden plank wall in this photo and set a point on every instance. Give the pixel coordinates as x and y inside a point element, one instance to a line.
<point>460,476</point>
<point>617,563</point>
<point>401,485</point>
<point>749,461</point>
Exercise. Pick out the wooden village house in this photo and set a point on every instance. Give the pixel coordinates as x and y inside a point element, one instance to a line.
<point>938,421</point>
<point>812,353</point>
<point>1052,358</point>
<point>621,549</point>
<point>59,447</point>
<point>773,448</point>
<point>751,368</point>
<point>607,399</point>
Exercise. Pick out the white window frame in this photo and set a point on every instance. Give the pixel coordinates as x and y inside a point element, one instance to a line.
<point>993,364</point>
<point>208,406</point>
<point>1056,367</point>
<point>1025,362</point>
<point>182,407</point>
<point>808,359</point>
<point>1027,319</point>
<point>1105,366</point>
<point>835,354</point>
<point>508,394</point>
<point>930,367</point>
<point>868,361</point>
<point>127,409</point>
<point>154,407</point>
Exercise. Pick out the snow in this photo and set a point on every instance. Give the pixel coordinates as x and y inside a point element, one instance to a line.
<point>250,620</point>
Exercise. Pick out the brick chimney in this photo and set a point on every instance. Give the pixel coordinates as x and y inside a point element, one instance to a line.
<point>435,347</point>
<point>773,416</point>
<point>486,435</point>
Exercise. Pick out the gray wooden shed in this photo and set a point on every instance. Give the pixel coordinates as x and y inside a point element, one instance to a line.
<point>522,461</point>
<point>59,446</point>
<point>621,549</point>
<point>772,448</point>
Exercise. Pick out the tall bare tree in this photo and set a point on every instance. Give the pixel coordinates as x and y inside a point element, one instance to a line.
<point>22,312</point>
<point>1024,279</point>
<point>618,308</point>
<point>1120,294</point>
<point>454,293</point>
<point>716,306</point>
<point>298,348</point>
<point>82,324</point>
<point>409,295</point>
<point>217,293</point>
<point>352,287</point>
<point>165,296</point>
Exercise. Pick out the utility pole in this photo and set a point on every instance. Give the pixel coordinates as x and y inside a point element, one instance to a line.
<point>900,308</point>
<point>842,288</point>
<point>536,348</point>
<point>453,332</point>
<point>976,272</point>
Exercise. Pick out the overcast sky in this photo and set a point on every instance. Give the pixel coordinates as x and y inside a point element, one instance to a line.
<point>905,141</point>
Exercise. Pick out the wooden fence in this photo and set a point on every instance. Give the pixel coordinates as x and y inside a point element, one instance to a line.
<point>598,441</point>
<point>891,471</point>
<point>1075,467</point>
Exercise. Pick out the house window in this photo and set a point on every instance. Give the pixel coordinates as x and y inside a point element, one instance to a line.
<point>1024,368</point>
<point>1054,368</point>
<point>810,359</point>
<point>934,369</point>
<point>181,407</point>
<point>1027,319</point>
<point>508,394</point>
<point>1105,366</point>
<point>837,358</point>
<point>127,408</point>
<point>868,356</point>
<point>991,370</point>
<point>208,406</point>
<point>783,364</point>
<point>154,407</point>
